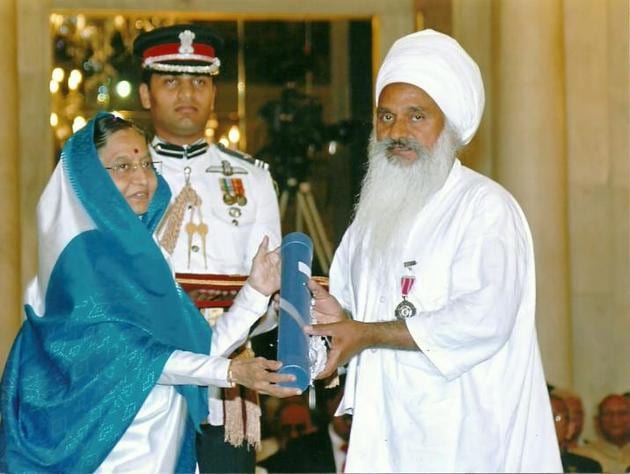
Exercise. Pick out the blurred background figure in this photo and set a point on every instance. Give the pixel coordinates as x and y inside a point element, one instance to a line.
<point>612,448</point>
<point>575,407</point>
<point>571,462</point>
<point>288,420</point>
<point>294,420</point>
<point>321,450</point>
<point>576,419</point>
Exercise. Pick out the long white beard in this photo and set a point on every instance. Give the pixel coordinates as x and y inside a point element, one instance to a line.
<point>393,193</point>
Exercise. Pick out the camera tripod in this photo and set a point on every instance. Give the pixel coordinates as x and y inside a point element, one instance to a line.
<point>306,213</point>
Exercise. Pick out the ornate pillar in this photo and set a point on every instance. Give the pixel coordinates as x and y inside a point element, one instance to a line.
<point>472,27</point>
<point>530,156</point>
<point>10,279</point>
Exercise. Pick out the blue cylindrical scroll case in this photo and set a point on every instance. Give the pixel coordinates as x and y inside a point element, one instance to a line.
<point>295,308</point>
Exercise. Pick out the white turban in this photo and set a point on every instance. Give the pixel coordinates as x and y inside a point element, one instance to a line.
<point>437,64</point>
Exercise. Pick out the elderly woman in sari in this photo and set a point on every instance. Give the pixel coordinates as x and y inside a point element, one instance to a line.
<point>110,368</point>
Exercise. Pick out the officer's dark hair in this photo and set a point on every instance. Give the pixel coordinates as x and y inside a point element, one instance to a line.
<point>107,125</point>
<point>147,73</point>
<point>146,76</point>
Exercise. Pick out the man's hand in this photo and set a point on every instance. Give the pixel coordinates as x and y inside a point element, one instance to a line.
<point>265,273</point>
<point>326,308</point>
<point>260,374</point>
<point>347,338</point>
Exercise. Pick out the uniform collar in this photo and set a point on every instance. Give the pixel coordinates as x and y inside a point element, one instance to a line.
<point>170,150</point>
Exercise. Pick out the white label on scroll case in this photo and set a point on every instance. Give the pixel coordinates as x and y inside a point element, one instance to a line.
<point>304,268</point>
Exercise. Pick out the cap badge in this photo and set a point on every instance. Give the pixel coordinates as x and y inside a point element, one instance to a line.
<point>186,39</point>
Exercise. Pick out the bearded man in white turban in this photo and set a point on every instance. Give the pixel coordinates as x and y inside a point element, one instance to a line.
<point>433,288</point>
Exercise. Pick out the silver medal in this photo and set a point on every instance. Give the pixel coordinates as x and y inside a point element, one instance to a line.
<point>405,309</point>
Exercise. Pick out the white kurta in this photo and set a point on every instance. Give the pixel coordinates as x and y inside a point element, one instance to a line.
<point>474,399</point>
<point>152,442</point>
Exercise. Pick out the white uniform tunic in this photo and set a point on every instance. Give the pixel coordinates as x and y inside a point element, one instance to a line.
<point>474,399</point>
<point>232,240</point>
<point>234,231</point>
<point>153,440</point>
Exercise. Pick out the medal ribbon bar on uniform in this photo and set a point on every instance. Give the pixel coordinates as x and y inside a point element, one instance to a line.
<point>226,186</point>
<point>237,184</point>
<point>177,151</point>
<point>239,191</point>
<point>229,197</point>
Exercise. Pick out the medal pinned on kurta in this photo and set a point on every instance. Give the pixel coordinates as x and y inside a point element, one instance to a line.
<point>405,308</point>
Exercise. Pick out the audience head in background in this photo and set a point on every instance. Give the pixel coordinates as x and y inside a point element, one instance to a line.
<point>293,420</point>
<point>576,415</point>
<point>560,414</point>
<point>613,419</point>
<point>571,462</point>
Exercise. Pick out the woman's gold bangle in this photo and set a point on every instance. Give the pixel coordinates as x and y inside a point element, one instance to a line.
<point>230,376</point>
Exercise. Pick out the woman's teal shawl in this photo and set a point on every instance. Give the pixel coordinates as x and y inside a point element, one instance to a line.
<point>78,373</point>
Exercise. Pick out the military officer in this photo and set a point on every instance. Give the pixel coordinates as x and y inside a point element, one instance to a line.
<point>224,201</point>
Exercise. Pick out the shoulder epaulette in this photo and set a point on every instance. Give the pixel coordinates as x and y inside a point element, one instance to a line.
<point>243,156</point>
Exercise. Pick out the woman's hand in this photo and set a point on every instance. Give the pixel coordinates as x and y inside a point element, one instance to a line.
<point>260,374</point>
<point>265,273</point>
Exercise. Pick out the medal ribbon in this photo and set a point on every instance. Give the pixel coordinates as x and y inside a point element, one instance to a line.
<point>224,185</point>
<point>237,185</point>
<point>406,284</point>
<point>227,186</point>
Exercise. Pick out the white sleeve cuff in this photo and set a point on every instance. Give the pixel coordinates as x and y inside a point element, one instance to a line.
<point>189,368</point>
<point>251,299</point>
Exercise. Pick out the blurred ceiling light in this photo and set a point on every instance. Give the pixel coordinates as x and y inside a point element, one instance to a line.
<point>332,147</point>
<point>123,89</point>
<point>54,119</point>
<point>74,79</point>
<point>56,19</point>
<point>234,135</point>
<point>78,123</point>
<point>80,22</point>
<point>62,133</point>
<point>119,21</point>
<point>58,74</point>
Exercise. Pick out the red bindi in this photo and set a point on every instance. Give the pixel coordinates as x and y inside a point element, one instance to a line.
<point>135,150</point>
